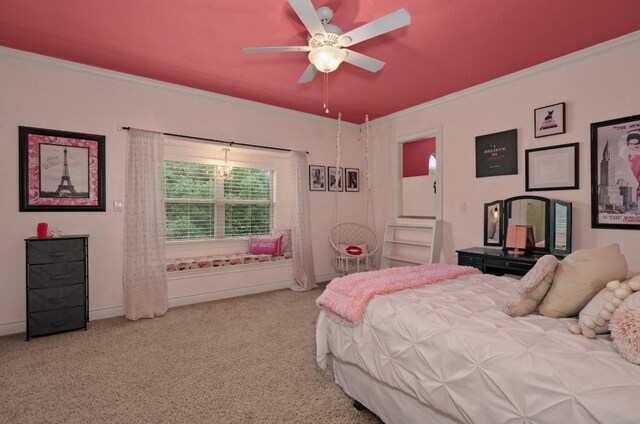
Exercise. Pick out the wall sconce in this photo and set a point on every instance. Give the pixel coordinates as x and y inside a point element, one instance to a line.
<point>520,238</point>
<point>226,170</point>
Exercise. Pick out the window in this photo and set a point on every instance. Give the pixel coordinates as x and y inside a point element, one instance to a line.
<point>200,204</point>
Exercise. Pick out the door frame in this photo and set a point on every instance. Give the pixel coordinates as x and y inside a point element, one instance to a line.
<point>398,142</point>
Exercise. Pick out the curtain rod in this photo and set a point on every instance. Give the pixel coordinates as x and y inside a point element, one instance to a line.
<point>230,143</point>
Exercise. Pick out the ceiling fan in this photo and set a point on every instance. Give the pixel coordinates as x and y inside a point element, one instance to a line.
<point>327,45</point>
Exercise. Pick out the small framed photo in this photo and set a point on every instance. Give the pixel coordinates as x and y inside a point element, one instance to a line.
<point>549,120</point>
<point>335,179</point>
<point>317,178</point>
<point>352,178</point>
<point>552,168</point>
<point>615,173</point>
<point>61,171</point>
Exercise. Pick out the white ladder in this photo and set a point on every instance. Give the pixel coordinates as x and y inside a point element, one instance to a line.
<point>411,242</point>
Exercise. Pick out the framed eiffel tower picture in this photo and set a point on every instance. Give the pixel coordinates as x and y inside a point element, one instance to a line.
<point>61,171</point>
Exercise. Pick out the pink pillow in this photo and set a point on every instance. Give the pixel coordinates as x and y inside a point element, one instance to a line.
<point>625,328</point>
<point>285,245</point>
<point>267,245</point>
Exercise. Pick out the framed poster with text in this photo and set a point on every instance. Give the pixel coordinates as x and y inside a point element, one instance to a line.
<point>615,173</point>
<point>497,154</point>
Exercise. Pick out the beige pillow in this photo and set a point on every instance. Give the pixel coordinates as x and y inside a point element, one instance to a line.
<point>579,277</point>
<point>532,287</point>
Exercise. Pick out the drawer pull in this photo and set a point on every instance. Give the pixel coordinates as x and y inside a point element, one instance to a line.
<point>58,323</point>
<point>57,254</point>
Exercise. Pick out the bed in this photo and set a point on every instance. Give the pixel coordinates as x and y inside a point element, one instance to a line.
<point>446,353</point>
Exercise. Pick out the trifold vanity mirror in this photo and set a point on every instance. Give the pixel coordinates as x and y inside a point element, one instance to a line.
<point>549,218</point>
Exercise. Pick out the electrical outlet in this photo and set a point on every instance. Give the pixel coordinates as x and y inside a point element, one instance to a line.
<point>462,207</point>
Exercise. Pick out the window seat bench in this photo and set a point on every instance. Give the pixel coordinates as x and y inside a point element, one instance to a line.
<point>217,261</point>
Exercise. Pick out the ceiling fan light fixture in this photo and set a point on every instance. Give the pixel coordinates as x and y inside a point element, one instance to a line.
<point>327,58</point>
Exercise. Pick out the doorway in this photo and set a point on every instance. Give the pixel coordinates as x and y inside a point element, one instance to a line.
<point>419,176</point>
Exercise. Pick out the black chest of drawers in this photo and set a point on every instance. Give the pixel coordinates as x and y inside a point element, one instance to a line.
<point>499,262</point>
<point>57,285</point>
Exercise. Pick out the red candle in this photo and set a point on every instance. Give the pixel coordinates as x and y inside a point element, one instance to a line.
<point>43,230</point>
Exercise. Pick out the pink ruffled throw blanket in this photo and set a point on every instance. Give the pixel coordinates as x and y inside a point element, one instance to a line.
<point>345,298</point>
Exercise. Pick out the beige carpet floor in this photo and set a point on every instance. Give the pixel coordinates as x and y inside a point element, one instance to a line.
<point>244,360</point>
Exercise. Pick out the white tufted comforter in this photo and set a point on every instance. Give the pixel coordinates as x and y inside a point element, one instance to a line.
<point>450,347</point>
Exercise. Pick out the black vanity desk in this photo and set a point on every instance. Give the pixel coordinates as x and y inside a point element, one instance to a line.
<point>498,262</point>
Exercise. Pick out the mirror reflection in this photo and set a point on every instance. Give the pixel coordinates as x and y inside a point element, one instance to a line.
<point>532,211</point>
<point>560,241</point>
<point>561,227</point>
<point>493,227</point>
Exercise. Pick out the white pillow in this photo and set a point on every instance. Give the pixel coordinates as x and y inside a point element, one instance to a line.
<point>353,249</point>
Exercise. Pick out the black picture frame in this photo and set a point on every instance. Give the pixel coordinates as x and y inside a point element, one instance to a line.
<point>552,168</point>
<point>317,178</point>
<point>497,154</point>
<point>549,120</point>
<point>334,178</point>
<point>352,179</point>
<point>61,171</point>
<point>615,149</point>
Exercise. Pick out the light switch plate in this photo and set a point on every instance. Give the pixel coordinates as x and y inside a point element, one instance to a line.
<point>117,205</point>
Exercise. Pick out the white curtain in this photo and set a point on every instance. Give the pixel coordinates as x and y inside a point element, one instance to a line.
<point>303,270</point>
<point>144,273</point>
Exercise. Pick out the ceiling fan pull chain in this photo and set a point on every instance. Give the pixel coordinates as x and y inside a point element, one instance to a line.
<point>326,92</point>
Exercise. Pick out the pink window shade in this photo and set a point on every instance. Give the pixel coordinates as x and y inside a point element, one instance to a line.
<point>415,157</point>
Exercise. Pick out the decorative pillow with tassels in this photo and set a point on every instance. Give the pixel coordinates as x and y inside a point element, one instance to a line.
<point>594,318</point>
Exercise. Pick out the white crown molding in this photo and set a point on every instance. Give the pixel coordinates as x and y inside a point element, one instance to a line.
<point>595,50</point>
<point>120,76</point>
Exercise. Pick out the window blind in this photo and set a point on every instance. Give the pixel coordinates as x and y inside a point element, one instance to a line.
<point>200,204</point>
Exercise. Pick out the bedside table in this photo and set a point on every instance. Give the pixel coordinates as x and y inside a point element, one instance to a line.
<point>57,285</point>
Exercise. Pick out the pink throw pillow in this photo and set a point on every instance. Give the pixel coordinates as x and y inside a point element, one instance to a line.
<point>267,245</point>
<point>285,244</point>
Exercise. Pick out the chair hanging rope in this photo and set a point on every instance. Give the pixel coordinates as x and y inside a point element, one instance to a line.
<point>368,175</point>
<point>335,208</point>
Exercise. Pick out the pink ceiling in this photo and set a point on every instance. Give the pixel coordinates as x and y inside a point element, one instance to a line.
<point>449,45</point>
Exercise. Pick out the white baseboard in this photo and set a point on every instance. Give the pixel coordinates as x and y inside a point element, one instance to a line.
<point>96,314</point>
<point>13,328</point>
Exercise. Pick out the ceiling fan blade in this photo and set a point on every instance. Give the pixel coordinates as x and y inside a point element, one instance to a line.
<point>362,61</point>
<point>276,49</point>
<point>387,23</point>
<point>308,74</point>
<point>307,14</point>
